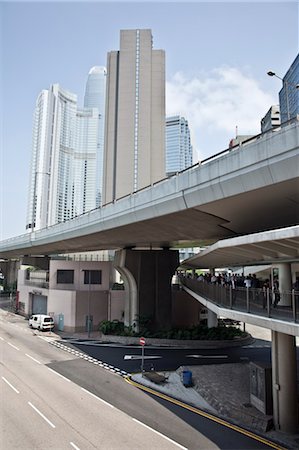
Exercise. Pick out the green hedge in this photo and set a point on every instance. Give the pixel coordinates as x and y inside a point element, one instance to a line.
<point>198,332</point>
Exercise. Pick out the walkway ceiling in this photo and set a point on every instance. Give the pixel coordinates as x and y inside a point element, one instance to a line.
<point>280,245</point>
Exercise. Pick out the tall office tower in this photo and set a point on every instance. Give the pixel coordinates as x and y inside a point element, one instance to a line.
<point>64,159</point>
<point>179,152</point>
<point>134,153</point>
<point>95,94</point>
<point>289,94</point>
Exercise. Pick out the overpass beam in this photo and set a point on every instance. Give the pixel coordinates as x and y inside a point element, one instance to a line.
<point>147,277</point>
<point>284,379</point>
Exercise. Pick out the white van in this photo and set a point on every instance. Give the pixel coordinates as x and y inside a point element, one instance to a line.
<point>41,322</point>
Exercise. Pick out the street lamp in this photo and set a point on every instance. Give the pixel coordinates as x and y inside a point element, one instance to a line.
<point>287,84</point>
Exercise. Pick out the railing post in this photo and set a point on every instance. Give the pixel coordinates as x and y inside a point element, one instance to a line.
<point>268,301</point>
<point>247,299</point>
<point>230,297</point>
<point>294,305</point>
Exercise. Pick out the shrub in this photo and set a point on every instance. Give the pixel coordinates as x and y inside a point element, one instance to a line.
<point>199,332</point>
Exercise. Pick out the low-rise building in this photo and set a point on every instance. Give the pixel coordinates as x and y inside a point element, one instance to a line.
<point>70,292</point>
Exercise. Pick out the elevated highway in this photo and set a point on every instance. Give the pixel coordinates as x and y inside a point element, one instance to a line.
<point>249,188</point>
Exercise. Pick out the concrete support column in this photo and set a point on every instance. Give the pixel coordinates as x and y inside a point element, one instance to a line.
<point>147,277</point>
<point>212,319</point>
<point>285,283</point>
<point>284,382</point>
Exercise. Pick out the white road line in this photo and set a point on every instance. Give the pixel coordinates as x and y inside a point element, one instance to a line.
<point>61,376</point>
<point>41,414</point>
<point>13,346</point>
<point>98,398</point>
<point>160,434</point>
<point>207,356</point>
<point>33,359</point>
<point>10,385</point>
<point>74,446</point>
<point>140,357</point>
<point>1,338</point>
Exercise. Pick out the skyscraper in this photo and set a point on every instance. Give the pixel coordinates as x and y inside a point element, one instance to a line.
<point>289,94</point>
<point>134,154</point>
<point>64,178</point>
<point>95,94</point>
<point>179,152</point>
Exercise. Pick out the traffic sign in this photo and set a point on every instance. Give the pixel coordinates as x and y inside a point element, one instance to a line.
<point>142,341</point>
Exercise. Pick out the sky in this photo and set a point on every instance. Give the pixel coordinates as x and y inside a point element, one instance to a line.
<point>217,58</point>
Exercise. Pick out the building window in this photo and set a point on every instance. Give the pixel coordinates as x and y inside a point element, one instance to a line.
<point>65,276</point>
<point>92,277</point>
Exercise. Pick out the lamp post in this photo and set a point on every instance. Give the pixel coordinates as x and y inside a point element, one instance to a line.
<point>287,84</point>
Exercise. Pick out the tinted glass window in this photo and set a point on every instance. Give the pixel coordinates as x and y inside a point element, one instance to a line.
<point>92,277</point>
<point>48,319</point>
<point>65,276</point>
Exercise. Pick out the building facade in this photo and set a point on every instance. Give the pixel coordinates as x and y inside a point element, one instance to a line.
<point>271,119</point>
<point>134,154</point>
<point>179,151</point>
<point>289,94</point>
<point>67,155</point>
<point>95,97</point>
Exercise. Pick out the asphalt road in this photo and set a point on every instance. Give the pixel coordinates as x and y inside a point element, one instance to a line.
<point>128,358</point>
<point>53,399</point>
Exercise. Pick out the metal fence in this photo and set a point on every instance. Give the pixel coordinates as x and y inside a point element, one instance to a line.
<point>262,302</point>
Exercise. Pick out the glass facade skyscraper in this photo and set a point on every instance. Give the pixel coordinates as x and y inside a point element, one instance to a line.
<point>289,94</point>
<point>95,97</point>
<point>67,152</point>
<point>179,151</point>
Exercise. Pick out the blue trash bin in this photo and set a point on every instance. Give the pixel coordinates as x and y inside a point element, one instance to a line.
<point>187,378</point>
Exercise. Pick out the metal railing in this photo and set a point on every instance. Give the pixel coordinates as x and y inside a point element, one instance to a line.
<point>282,305</point>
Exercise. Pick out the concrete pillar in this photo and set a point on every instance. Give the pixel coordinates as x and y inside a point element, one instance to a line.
<point>9,269</point>
<point>285,283</point>
<point>284,382</point>
<point>212,319</point>
<point>147,277</point>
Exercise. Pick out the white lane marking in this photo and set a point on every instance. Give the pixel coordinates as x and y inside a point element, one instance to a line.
<point>61,376</point>
<point>98,398</point>
<point>140,357</point>
<point>10,385</point>
<point>74,446</point>
<point>41,414</point>
<point>33,359</point>
<point>13,346</point>
<point>1,338</point>
<point>160,434</point>
<point>207,356</point>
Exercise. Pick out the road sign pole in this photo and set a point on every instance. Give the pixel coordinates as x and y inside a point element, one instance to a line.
<point>142,343</point>
<point>142,360</point>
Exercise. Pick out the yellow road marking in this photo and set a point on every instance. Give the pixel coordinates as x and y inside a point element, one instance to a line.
<point>205,414</point>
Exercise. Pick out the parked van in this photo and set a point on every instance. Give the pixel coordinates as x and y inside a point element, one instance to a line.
<point>41,322</point>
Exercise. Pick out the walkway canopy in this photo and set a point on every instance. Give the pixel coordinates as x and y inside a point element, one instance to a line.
<point>280,245</point>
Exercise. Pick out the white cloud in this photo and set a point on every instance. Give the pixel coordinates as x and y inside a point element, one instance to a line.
<point>215,103</point>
